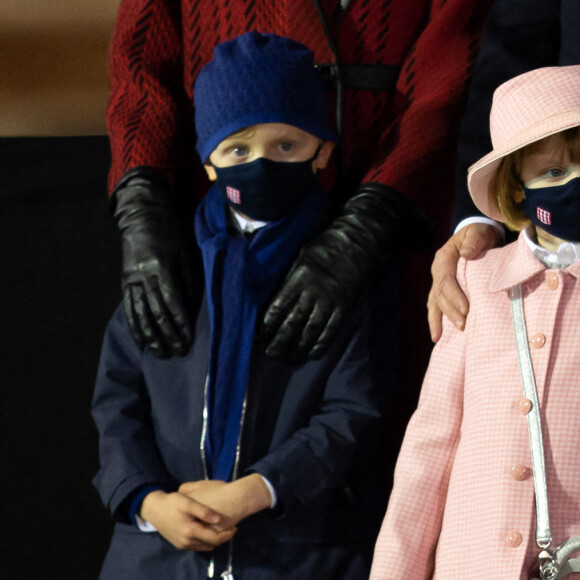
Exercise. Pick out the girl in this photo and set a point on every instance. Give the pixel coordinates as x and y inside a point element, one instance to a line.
<point>463,504</point>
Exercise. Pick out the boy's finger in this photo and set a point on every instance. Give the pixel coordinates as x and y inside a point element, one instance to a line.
<point>189,487</point>
<point>196,545</point>
<point>201,512</point>
<point>209,536</point>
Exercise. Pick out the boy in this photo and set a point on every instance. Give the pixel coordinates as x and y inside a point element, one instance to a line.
<point>225,441</point>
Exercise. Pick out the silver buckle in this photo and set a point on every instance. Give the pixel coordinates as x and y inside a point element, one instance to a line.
<point>548,566</point>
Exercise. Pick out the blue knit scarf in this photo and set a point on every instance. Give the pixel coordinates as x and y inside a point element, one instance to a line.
<point>241,274</point>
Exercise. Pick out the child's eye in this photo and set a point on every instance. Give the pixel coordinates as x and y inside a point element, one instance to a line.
<point>555,173</point>
<point>552,176</point>
<point>240,151</point>
<point>286,146</point>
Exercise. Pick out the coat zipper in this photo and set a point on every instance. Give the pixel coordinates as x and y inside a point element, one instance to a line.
<point>228,574</point>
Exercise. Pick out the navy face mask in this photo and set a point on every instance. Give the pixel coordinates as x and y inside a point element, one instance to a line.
<point>267,190</point>
<point>555,209</point>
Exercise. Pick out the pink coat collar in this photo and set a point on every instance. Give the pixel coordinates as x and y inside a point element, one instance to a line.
<point>515,264</point>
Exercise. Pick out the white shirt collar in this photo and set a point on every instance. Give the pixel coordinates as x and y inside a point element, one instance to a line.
<point>246,225</point>
<point>567,253</point>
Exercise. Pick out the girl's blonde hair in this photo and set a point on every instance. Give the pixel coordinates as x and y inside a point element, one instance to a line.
<point>507,186</point>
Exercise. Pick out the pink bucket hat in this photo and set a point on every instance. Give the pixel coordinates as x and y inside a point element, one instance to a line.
<point>525,109</point>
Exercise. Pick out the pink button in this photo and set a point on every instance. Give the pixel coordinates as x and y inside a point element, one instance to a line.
<point>525,406</point>
<point>513,539</point>
<point>552,279</point>
<point>538,340</point>
<point>520,472</point>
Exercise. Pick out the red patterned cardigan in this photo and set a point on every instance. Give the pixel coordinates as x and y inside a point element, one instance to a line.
<point>403,138</point>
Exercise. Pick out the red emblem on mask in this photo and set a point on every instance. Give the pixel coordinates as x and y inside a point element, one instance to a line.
<point>544,216</point>
<point>233,194</point>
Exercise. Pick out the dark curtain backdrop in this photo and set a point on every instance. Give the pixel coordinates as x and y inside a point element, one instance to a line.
<point>59,284</point>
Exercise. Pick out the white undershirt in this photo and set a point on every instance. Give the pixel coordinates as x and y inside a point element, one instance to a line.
<point>247,225</point>
<point>567,253</point>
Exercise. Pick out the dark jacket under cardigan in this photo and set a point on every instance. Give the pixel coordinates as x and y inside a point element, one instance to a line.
<point>310,429</point>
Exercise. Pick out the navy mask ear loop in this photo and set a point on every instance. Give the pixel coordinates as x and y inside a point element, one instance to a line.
<point>521,183</point>
<point>316,154</point>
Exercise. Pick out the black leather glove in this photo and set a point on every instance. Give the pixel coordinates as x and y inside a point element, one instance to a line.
<point>156,271</point>
<point>333,270</point>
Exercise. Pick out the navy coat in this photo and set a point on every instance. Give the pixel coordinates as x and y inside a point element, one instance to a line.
<point>311,429</point>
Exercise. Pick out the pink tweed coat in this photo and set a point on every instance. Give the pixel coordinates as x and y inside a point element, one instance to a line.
<point>462,506</point>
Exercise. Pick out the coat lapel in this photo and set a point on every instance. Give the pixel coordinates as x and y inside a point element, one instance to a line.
<point>515,266</point>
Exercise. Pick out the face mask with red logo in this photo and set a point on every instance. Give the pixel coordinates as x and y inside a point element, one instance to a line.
<point>555,209</point>
<point>267,190</point>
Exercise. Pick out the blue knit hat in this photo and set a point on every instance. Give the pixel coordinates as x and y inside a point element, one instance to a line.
<point>258,78</point>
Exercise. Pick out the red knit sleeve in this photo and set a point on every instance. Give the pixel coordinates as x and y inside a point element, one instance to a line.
<point>417,150</point>
<point>146,87</point>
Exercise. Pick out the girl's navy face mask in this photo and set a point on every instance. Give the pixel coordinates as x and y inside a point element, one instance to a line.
<point>267,190</point>
<point>555,209</point>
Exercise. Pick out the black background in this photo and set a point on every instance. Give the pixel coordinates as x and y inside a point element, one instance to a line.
<point>59,284</point>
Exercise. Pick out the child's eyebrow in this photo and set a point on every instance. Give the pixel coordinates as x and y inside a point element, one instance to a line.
<point>545,157</point>
<point>232,139</point>
<point>548,150</point>
<point>232,142</point>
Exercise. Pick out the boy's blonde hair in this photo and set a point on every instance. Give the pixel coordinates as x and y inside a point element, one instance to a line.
<point>507,187</point>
